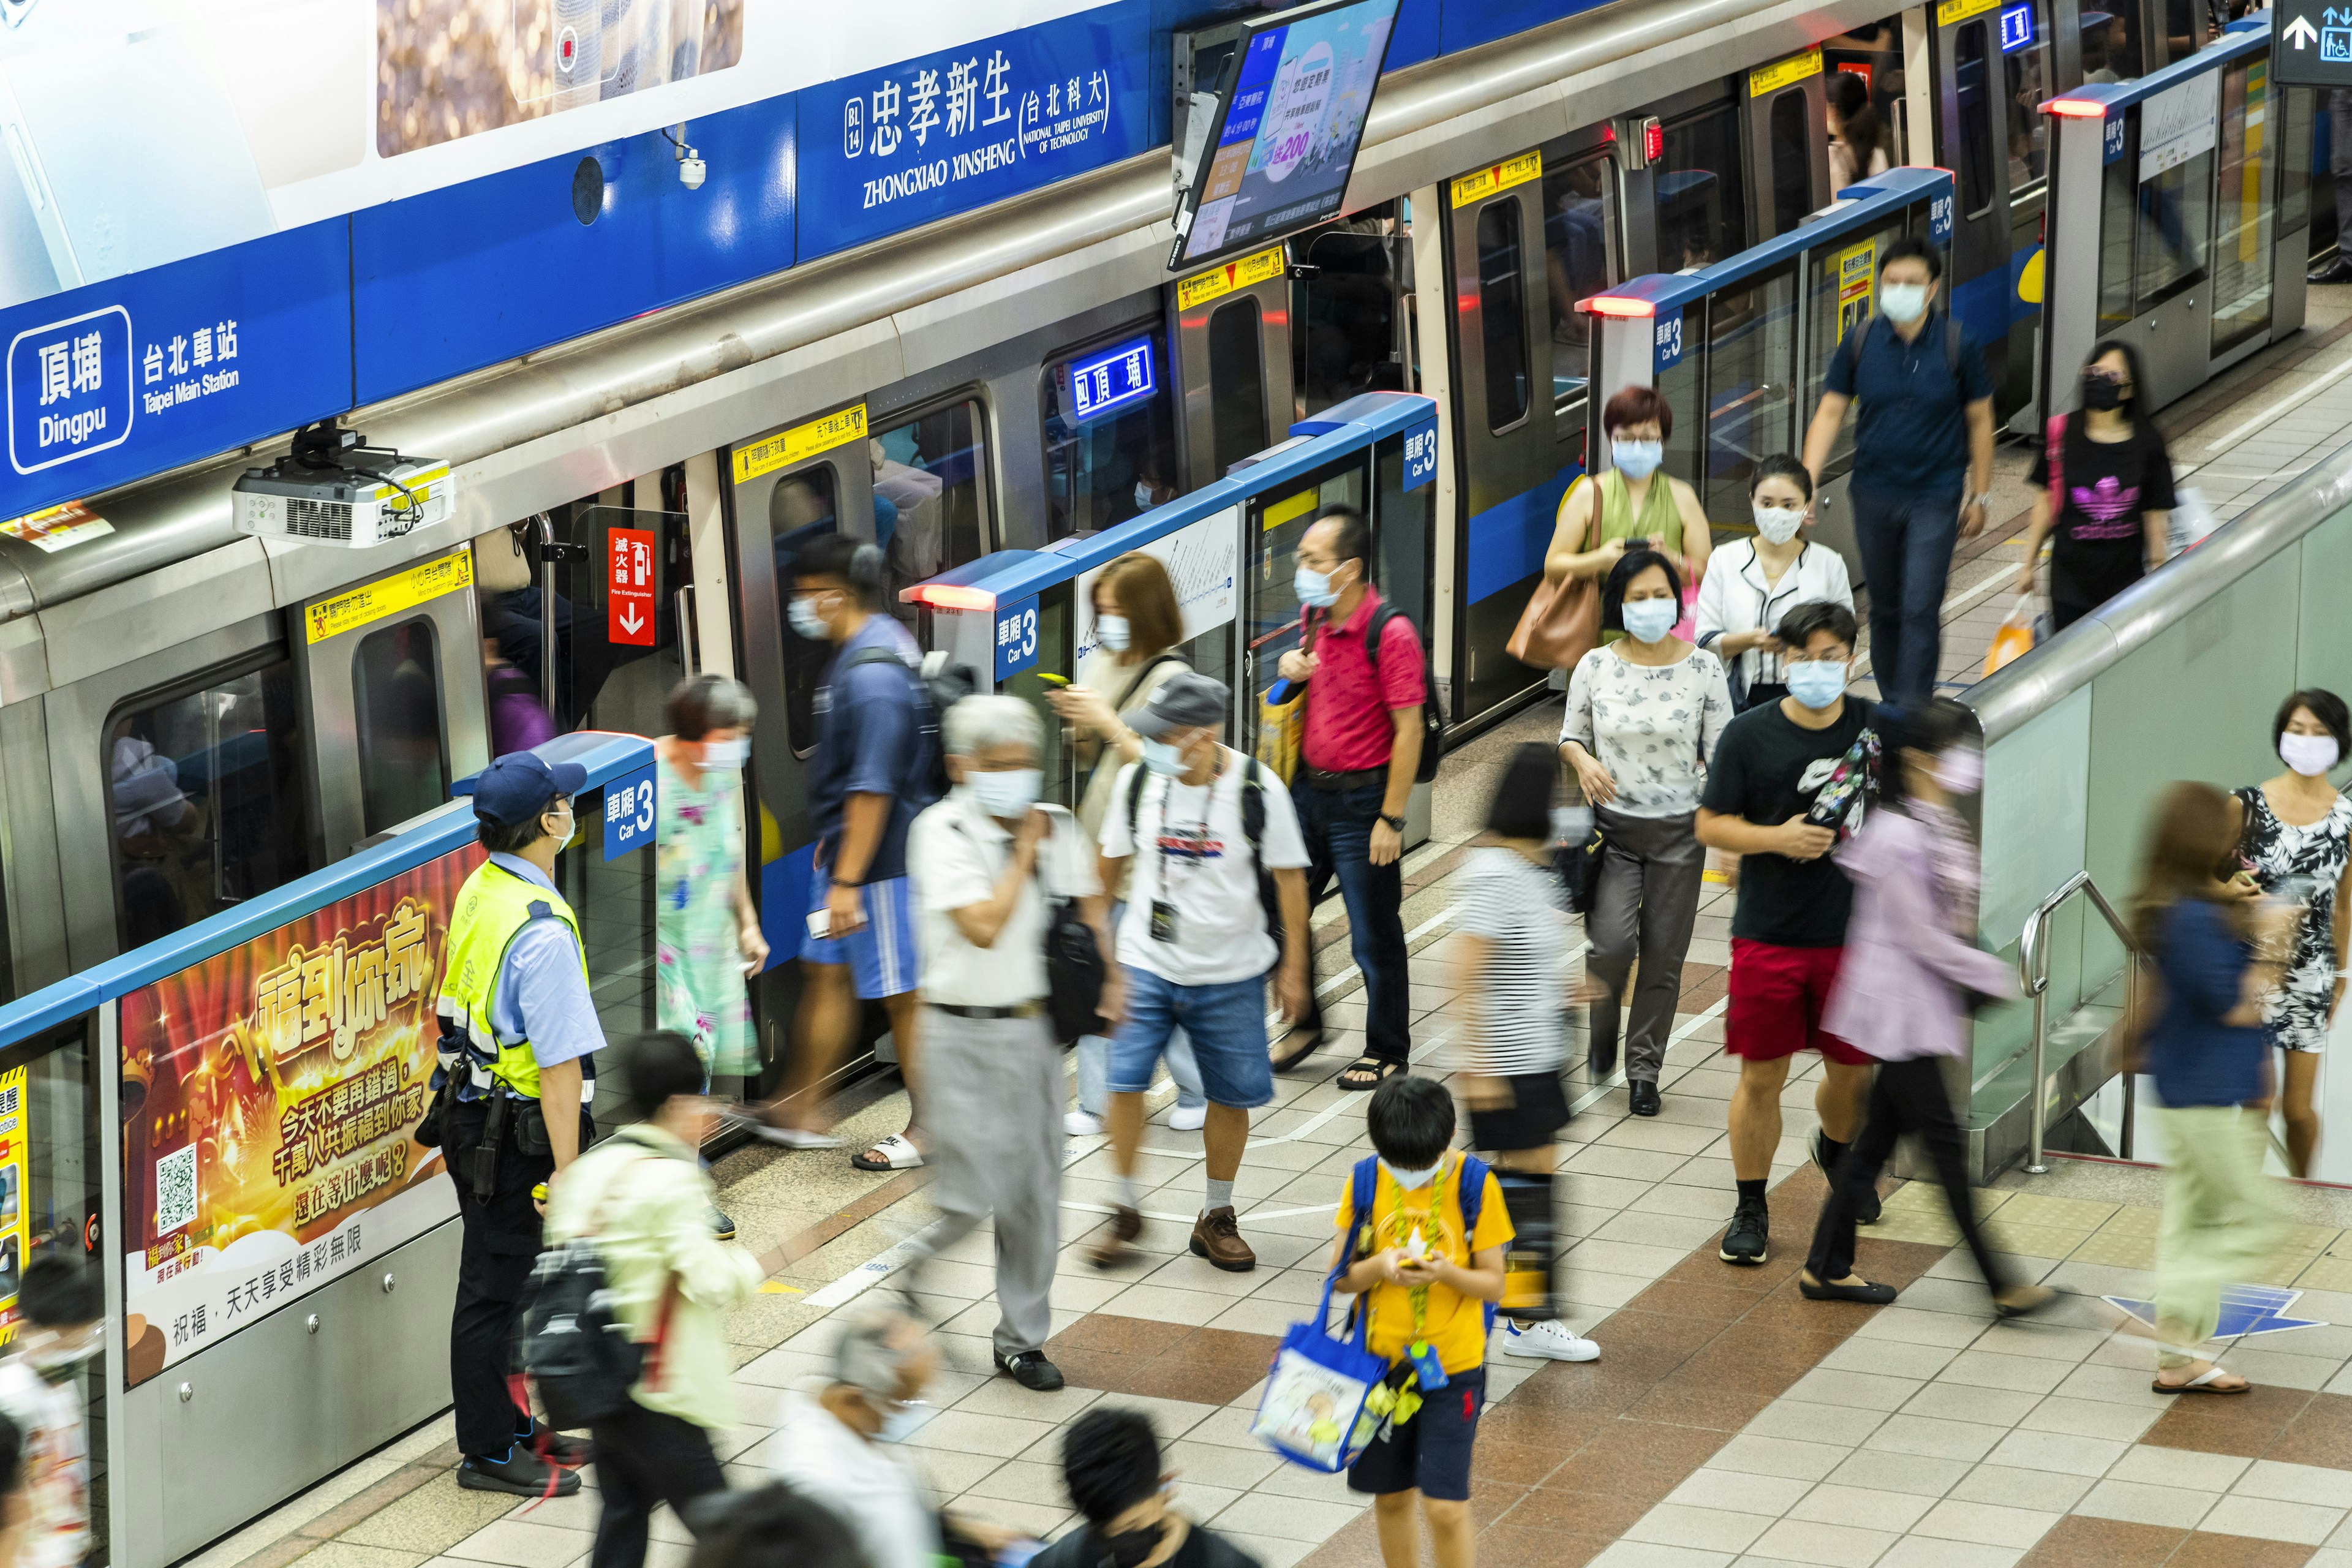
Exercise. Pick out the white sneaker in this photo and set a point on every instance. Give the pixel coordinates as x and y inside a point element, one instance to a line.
<point>1078,1124</point>
<point>1553,1340</point>
<point>1191,1119</point>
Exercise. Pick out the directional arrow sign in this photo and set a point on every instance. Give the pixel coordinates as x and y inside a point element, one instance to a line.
<point>2245,1309</point>
<point>2311,44</point>
<point>629,584</point>
<point>2301,34</point>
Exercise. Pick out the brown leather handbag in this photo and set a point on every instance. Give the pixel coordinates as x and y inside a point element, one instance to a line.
<point>1562,621</point>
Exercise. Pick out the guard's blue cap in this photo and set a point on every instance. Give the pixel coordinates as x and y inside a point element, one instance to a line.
<point>516,787</point>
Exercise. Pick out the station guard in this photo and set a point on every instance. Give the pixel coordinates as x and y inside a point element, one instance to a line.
<point>517,1028</point>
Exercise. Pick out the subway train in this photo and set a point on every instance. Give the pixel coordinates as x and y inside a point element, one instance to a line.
<point>190,716</point>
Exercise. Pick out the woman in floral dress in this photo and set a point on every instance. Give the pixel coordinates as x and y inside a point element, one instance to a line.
<point>706,940</point>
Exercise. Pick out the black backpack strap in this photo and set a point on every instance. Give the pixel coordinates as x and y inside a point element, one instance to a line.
<point>1253,810</point>
<point>1952,346</point>
<point>1145,674</point>
<point>1135,804</point>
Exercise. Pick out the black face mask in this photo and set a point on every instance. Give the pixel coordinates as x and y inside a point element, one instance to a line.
<point>1129,1548</point>
<point>2100,392</point>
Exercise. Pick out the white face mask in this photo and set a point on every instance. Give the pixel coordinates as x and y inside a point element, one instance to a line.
<point>1007,793</point>
<point>725,756</point>
<point>2310,756</point>
<point>1111,632</point>
<point>1637,459</point>
<point>1778,525</point>
<point>1142,496</point>
<point>802,613</point>
<point>1409,1180</point>
<point>1162,758</point>
<point>1902,302</point>
<point>899,1421</point>
<point>1647,620</point>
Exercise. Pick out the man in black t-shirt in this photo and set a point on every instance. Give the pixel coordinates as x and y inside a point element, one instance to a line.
<point>1785,785</point>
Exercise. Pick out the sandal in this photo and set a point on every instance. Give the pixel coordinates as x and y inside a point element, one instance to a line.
<point>896,1153</point>
<point>1368,1073</point>
<point>1282,1063</point>
<point>2203,1383</point>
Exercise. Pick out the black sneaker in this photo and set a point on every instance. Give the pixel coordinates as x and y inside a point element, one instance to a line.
<point>1867,1212</point>
<point>559,1447</point>
<point>1643,1096</point>
<point>520,1473</point>
<point>1744,1238</point>
<point>721,1225</point>
<point>1032,1371</point>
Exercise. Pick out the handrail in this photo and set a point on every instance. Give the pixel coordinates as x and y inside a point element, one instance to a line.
<point>2033,978</point>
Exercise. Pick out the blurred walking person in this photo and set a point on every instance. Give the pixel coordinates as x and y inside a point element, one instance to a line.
<point>2218,954</point>
<point>1511,949</point>
<point>2295,830</point>
<point>1911,966</point>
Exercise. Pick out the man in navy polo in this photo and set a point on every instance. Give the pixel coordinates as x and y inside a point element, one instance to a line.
<point>1922,458</point>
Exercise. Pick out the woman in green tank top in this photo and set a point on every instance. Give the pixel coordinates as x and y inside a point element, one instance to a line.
<point>1629,504</point>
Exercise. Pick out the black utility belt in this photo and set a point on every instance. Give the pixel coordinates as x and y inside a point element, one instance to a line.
<point>1018,1010</point>
<point>1317,779</point>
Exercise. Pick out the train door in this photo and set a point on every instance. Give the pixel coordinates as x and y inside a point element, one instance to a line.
<point>1232,326</point>
<point>1348,328</point>
<point>2028,75</point>
<point>389,674</point>
<point>1788,142</point>
<point>1506,453</point>
<point>1974,123</point>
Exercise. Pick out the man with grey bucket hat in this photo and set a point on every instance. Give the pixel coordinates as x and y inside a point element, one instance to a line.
<point>1208,829</point>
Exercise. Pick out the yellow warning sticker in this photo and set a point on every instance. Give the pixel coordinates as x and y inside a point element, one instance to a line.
<point>1952,11</point>
<point>388,597</point>
<point>1480,183</point>
<point>1289,509</point>
<point>1784,73</point>
<point>786,448</point>
<point>1856,265</point>
<point>1255,268</point>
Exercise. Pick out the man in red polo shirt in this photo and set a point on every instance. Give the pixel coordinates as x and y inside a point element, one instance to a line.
<point>1358,755</point>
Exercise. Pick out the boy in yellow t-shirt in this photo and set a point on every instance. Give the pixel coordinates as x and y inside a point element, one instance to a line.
<point>1427,1287</point>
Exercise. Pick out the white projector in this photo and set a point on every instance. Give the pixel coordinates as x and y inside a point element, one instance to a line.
<point>333,490</point>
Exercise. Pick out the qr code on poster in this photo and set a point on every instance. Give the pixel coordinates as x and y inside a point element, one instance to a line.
<point>176,1190</point>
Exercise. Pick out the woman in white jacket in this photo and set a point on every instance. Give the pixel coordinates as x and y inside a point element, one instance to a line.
<point>1751,583</point>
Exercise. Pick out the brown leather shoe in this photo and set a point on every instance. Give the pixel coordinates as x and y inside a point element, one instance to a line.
<point>1217,1236</point>
<point>1126,1225</point>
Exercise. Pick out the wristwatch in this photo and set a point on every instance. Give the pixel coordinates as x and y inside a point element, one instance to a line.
<point>1984,501</point>
<point>1395,822</point>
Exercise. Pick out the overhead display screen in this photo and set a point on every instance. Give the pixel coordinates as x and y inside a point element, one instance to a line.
<point>1290,119</point>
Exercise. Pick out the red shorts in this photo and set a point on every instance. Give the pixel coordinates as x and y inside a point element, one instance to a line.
<point>1778,995</point>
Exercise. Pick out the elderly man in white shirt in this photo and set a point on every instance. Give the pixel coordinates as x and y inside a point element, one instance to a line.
<point>985,862</point>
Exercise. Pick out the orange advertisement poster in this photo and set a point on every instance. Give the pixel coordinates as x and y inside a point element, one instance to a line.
<point>270,1096</point>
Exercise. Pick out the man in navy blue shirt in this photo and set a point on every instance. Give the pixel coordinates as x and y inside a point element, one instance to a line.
<point>1922,458</point>
<point>871,774</point>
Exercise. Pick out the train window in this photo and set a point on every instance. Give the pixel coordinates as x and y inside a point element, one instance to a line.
<point>206,787</point>
<point>930,495</point>
<point>1347,308</point>
<point>1793,161</point>
<point>1236,385</point>
<point>396,694</point>
<point>1502,313</point>
<point>1580,261</point>
<point>1973,69</point>
<point>1278,520</point>
<point>2175,228</point>
<point>1102,469</point>
<point>2241,249</point>
<point>1752,356</point>
<point>800,509</point>
<point>2025,68</point>
<point>2111,50</point>
<point>2118,192</point>
<point>1702,217</point>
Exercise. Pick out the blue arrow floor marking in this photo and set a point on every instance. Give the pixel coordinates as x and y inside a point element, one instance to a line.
<point>2245,1309</point>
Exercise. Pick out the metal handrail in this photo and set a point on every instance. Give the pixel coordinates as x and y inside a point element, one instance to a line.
<point>2033,978</point>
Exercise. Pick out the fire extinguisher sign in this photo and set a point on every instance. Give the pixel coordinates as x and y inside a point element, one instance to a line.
<point>629,577</point>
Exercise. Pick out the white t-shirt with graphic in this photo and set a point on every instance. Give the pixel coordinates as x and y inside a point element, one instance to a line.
<point>1195,854</point>
<point>57,1463</point>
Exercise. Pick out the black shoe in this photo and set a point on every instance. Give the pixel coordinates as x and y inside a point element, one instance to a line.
<point>520,1473</point>
<point>1866,1211</point>
<point>2336,271</point>
<point>1032,1371</point>
<point>563,1450</point>
<point>721,1225</point>
<point>1744,1240</point>
<point>1868,1294</point>
<point>1643,1095</point>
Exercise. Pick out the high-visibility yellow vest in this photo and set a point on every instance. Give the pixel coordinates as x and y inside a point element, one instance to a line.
<point>493,908</point>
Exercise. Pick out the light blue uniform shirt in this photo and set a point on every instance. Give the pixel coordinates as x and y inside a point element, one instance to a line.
<point>544,989</point>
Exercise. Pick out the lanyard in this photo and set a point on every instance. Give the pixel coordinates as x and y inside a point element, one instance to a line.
<point>1200,834</point>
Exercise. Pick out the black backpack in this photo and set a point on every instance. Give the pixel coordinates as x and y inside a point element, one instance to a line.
<point>570,1344</point>
<point>939,686</point>
<point>1433,722</point>
<point>1253,776</point>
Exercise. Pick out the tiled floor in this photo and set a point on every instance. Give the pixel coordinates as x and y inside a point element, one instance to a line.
<point>1729,1421</point>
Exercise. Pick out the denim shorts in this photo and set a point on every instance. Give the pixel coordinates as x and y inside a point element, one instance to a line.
<point>1227,1024</point>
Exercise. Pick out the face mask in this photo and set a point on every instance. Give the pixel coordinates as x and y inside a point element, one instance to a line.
<point>1647,620</point>
<point>1409,1180</point>
<point>899,1421</point>
<point>1960,771</point>
<point>1008,794</point>
<point>1162,758</point>
<point>1777,524</point>
<point>2310,756</point>
<point>1129,1547</point>
<point>1902,302</point>
<point>1816,682</point>
<point>725,756</point>
<point>1111,632</point>
<point>2099,392</point>
<point>1313,588</point>
<point>570,825</point>
<point>1142,496</point>
<point>1637,459</point>
<point>801,612</point>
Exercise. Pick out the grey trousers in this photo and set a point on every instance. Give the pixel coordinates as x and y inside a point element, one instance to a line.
<point>1646,902</point>
<point>993,1099</point>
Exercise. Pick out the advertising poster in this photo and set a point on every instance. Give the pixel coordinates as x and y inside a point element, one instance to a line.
<point>16,1230</point>
<point>1857,265</point>
<point>269,1099</point>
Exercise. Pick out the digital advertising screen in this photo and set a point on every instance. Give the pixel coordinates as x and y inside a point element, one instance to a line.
<point>1290,118</point>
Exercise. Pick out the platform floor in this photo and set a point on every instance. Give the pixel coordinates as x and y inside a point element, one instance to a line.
<point>1727,1420</point>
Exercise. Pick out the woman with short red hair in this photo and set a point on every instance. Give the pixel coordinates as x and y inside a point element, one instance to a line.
<point>1629,504</point>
